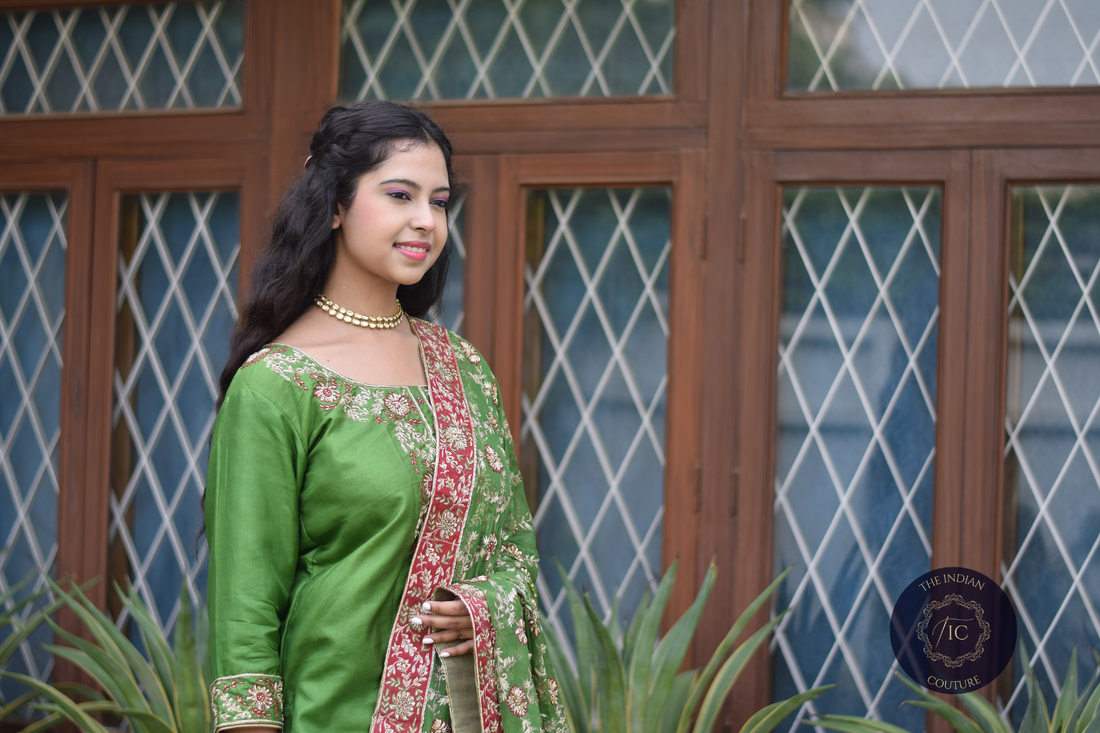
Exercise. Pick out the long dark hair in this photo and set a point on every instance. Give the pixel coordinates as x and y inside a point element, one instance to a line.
<point>351,141</point>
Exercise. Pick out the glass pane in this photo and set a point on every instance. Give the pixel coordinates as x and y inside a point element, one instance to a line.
<point>177,293</point>
<point>32,314</point>
<point>451,311</point>
<point>497,49</point>
<point>1052,441</point>
<point>856,437</point>
<point>594,380</point>
<point>181,55</point>
<point>839,45</point>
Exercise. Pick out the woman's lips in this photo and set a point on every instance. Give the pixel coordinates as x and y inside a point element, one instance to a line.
<point>414,250</point>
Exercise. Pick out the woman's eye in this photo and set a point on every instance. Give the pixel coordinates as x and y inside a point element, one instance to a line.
<point>400,195</point>
<point>440,203</point>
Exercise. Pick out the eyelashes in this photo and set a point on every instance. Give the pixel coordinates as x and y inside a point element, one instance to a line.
<point>401,195</point>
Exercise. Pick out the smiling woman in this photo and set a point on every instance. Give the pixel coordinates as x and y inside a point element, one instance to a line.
<point>372,557</point>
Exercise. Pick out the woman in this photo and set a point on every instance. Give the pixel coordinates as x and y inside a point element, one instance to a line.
<point>372,557</point>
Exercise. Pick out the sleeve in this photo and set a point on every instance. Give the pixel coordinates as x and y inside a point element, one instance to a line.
<point>257,462</point>
<point>511,659</point>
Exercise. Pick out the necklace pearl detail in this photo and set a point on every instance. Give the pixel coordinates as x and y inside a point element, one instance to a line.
<point>358,319</point>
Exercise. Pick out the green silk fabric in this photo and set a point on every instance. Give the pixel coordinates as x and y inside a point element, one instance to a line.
<point>316,491</point>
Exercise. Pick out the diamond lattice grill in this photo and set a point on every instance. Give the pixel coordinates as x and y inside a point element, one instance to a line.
<point>857,412</point>
<point>32,310</point>
<point>495,49</point>
<point>840,45</point>
<point>595,375</point>
<point>177,281</point>
<point>1052,445</point>
<point>180,55</point>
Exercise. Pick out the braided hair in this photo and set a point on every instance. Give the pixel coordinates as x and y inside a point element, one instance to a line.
<point>351,141</point>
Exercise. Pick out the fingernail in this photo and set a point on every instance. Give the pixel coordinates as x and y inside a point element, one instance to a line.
<point>444,654</point>
<point>416,621</point>
<point>428,641</point>
<point>425,607</point>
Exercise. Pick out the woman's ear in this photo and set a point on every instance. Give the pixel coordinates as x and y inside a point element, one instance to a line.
<point>338,217</point>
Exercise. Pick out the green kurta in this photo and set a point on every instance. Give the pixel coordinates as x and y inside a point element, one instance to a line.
<point>317,489</point>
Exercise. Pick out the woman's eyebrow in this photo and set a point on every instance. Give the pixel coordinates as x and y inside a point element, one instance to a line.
<point>412,184</point>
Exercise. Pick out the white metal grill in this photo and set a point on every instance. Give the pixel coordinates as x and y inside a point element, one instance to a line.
<point>936,44</point>
<point>599,292</point>
<point>1052,445</point>
<point>179,287</point>
<point>857,411</point>
<point>127,57</point>
<point>464,49</point>
<point>32,310</point>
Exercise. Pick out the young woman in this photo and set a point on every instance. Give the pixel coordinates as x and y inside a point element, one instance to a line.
<point>372,557</point>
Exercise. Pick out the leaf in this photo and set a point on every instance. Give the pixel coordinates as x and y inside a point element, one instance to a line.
<point>616,626</point>
<point>726,677</point>
<point>1089,718</point>
<point>611,687</point>
<point>192,701</point>
<point>159,678</point>
<point>107,672</point>
<point>24,630</point>
<point>853,724</point>
<point>675,701</point>
<point>586,642</point>
<point>641,663</point>
<point>671,652</point>
<point>147,719</point>
<point>1083,701</point>
<point>1035,718</point>
<point>1067,699</point>
<point>771,716</point>
<point>16,703</point>
<point>71,688</point>
<point>703,681</point>
<point>955,718</point>
<point>985,715</point>
<point>632,632</point>
<point>67,707</point>
<point>575,708</point>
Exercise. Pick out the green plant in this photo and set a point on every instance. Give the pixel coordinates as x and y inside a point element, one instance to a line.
<point>166,693</point>
<point>633,684</point>
<point>20,632</point>
<point>1072,714</point>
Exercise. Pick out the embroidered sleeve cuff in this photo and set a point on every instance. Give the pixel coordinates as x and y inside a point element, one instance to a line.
<point>247,699</point>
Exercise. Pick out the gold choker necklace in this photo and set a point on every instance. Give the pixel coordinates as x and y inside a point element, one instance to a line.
<point>358,319</point>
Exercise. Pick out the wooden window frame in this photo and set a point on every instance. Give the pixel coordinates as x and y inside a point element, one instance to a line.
<point>495,289</point>
<point>900,119</point>
<point>72,502</point>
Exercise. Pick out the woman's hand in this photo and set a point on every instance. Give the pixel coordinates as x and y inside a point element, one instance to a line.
<point>454,624</point>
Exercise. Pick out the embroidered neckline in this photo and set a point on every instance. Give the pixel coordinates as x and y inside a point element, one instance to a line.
<point>333,373</point>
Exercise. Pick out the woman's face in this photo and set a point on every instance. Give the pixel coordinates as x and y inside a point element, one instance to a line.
<point>396,225</point>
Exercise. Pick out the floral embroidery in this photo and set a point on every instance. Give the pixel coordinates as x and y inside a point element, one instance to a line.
<point>470,352</point>
<point>517,701</point>
<point>494,460</point>
<point>330,392</point>
<point>397,404</point>
<point>255,358</point>
<point>440,726</point>
<point>552,686</point>
<point>407,672</point>
<point>247,699</point>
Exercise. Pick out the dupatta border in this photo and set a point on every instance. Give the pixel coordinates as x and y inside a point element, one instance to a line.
<point>408,664</point>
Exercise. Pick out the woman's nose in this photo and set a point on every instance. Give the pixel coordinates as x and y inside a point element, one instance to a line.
<point>424,218</point>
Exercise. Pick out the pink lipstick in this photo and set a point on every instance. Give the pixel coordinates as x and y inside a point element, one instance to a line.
<point>414,250</point>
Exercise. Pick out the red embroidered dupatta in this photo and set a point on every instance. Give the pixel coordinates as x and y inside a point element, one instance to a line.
<point>408,665</point>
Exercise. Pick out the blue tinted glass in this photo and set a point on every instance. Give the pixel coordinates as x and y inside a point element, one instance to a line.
<point>856,437</point>
<point>838,45</point>
<point>33,247</point>
<point>178,55</point>
<point>1052,440</point>
<point>595,375</point>
<point>177,296</point>
<point>490,49</point>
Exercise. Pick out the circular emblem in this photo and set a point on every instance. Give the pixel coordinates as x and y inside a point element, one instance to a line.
<point>953,630</point>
